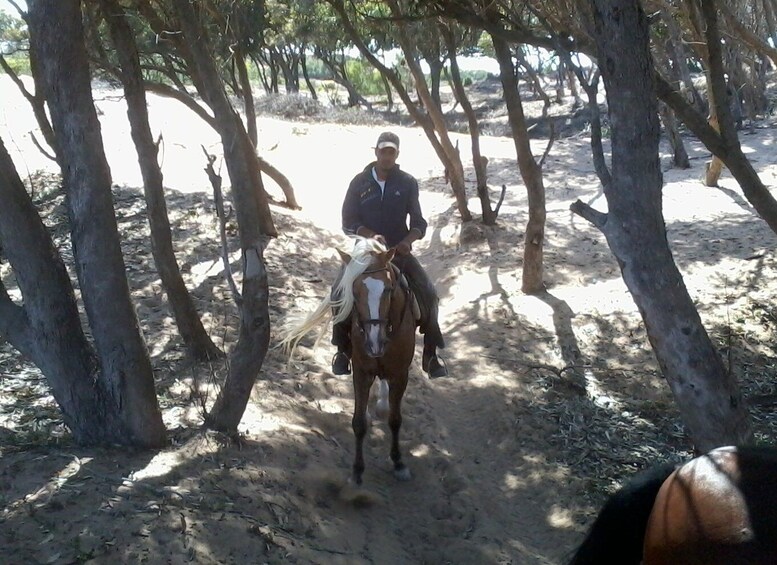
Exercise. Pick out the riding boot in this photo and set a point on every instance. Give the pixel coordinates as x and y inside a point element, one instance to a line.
<point>432,364</point>
<point>341,337</point>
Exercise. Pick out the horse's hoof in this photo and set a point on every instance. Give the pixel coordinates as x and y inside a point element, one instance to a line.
<point>402,474</point>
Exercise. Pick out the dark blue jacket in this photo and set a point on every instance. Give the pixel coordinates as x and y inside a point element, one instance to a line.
<point>385,214</point>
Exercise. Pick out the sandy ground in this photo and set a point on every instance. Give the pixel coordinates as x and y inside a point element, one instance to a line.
<point>510,459</point>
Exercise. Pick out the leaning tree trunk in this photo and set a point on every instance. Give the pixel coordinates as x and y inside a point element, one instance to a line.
<point>452,160</point>
<point>714,167</point>
<point>247,94</point>
<point>447,154</point>
<point>190,326</point>
<point>37,101</point>
<point>389,96</point>
<point>708,397</point>
<point>531,172</point>
<point>125,368</point>
<point>46,328</point>
<point>724,145</point>
<point>303,61</point>
<point>679,154</point>
<point>254,222</point>
<point>489,215</point>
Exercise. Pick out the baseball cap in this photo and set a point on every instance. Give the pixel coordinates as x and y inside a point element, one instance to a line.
<point>387,139</point>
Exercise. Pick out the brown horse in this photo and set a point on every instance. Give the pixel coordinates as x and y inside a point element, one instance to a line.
<point>717,509</point>
<point>373,293</point>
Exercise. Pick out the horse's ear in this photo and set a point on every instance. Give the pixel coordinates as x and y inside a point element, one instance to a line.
<point>390,254</point>
<point>344,256</point>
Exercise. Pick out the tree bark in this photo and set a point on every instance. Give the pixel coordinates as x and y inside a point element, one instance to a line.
<point>445,154</point>
<point>255,224</point>
<point>303,61</point>
<point>724,145</point>
<point>679,154</point>
<point>728,150</point>
<point>190,326</point>
<point>247,95</point>
<point>708,397</point>
<point>453,158</point>
<point>746,36</point>
<point>47,328</point>
<point>531,172</point>
<point>125,368</point>
<point>478,161</point>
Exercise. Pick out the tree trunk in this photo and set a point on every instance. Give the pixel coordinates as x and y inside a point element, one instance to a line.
<point>435,74</point>
<point>725,144</point>
<point>264,166</point>
<point>534,80</point>
<point>303,61</point>
<point>713,168</point>
<point>677,52</point>
<point>282,181</point>
<point>531,172</point>
<point>389,96</point>
<point>573,89</point>
<point>248,95</point>
<point>478,161</point>
<point>47,328</point>
<point>679,154</point>
<point>708,397</point>
<point>254,222</point>
<point>771,25</point>
<point>750,39</point>
<point>453,159</point>
<point>447,155</point>
<point>125,368</point>
<point>190,326</point>
<point>727,149</point>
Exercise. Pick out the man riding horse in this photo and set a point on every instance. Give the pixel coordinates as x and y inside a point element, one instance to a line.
<point>377,204</point>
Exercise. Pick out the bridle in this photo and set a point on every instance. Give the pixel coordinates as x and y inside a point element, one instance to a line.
<point>385,321</point>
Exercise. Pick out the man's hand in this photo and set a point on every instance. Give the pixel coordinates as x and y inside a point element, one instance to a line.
<point>404,248</point>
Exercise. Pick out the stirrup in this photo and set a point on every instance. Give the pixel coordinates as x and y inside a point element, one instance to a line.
<point>338,367</point>
<point>440,369</point>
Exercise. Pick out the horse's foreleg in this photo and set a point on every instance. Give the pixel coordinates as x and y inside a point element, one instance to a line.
<point>397,388</point>
<point>361,387</point>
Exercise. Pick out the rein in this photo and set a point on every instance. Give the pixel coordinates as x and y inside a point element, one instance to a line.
<point>381,321</point>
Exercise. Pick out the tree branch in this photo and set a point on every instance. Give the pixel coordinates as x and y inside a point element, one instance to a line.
<point>215,181</point>
<point>599,219</point>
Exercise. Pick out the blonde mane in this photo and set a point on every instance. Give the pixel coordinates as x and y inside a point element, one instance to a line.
<point>293,329</point>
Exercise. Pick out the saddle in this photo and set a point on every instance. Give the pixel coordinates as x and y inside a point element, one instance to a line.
<point>405,285</point>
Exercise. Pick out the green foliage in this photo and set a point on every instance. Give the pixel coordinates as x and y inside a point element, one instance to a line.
<point>19,63</point>
<point>13,33</point>
<point>14,43</point>
<point>468,78</point>
<point>364,77</point>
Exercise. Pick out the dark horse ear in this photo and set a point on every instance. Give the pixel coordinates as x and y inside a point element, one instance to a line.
<point>344,256</point>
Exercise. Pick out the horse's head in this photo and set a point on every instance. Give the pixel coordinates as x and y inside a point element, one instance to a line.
<point>373,290</point>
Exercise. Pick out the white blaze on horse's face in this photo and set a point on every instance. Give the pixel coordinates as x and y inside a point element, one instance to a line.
<point>375,337</point>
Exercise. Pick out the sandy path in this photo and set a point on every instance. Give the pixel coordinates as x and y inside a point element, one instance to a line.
<point>508,460</point>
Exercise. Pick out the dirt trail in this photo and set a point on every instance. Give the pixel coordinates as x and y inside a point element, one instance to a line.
<point>552,400</point>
